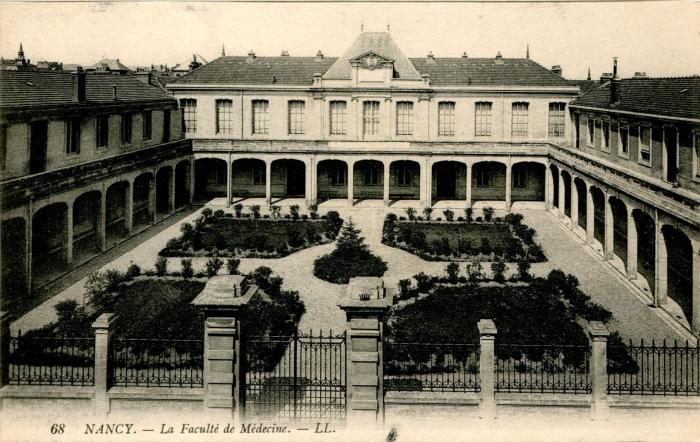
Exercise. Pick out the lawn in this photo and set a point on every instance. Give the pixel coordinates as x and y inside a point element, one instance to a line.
<point>497,234</point>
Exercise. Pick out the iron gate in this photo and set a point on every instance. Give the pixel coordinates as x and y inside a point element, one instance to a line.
<point>295,378</point>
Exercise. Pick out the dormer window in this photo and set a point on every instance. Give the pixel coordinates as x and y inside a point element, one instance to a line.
<point>371,67</point>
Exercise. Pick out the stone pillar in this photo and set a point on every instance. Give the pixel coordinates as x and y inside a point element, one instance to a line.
<point>171,192</point>
<point>661,265</point>
<point>695,322</point>
<point>129,207</point>
<point>102,338</point>
<point>268,183</point>
<point>387,166</point>
<point>365,303</point>
<point>548,188</point>
<point>190,181</point>
<point>598,336</point>
<point>509,185</point>
<point>590,216</point>
<point>468,180</point>
<point>351,183</point>
<point>69,232</point>
<point>562,194</point>
<point>428,183</point>
<point>152,197</point>
<point>224,300</point>
<point>312,178</point>
<point>574,204</point>
<point>229,180</point>
<point>608,247</point>
<point>28,245</point>
<point>102,221</point>
<point>487,330</point>
<point>631,244</point>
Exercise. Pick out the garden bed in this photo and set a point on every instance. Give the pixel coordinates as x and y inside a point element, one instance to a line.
<point>215,234</point>
<point>504,239</point>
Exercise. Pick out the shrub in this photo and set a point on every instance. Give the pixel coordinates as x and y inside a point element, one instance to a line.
<point>513,219</point>
<point>173,244</point>
<point>238,208</point>
<point>295,238</point>
<point>498,219</point>
<point>313,210</point>
<point>199,222</point>
<point>439,218</point>
<point>232,266</point>
<point>197,241</point>
<point>424,283</point>
<point>488,213</point>
<point>218,213</point>
<point>207,212</point>
<point>266,216</point>
<point>452,270</point>
<point>187,270</point>
<point>474,272</point>
<point>485,248</point>
<point>213,265</point>
<point>464,246</point>
<point>445,248</point>
<point>449,215</point>
<point>404,288</point>
<point>411,213</point>
<point>460,218</point>
<point>294,211</point>
<point>186,229</point>
<point>479,219</point>
<point>524,269</point>
<point>468,213</point>
<point>133,271</point>
<point>535,253</point>
<point>161,266</point>
<point>275,212</point>
<point>220,242</point>
<point>332,224</point>
<point>255,209</point>
<point>513,249</point>
<point>428,212</point>
<point>498,268</point>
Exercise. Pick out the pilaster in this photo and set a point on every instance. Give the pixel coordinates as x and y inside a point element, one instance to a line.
<point>574,204</point>
<point>102,221</point>
<point>129,208</point>
<point>351,182</point>
<point>509,185</point>
<point>631,244</point>
<point>69,232</point>
<point>562,195</point>
<point>608,247</point>
<point>661,264</point>
<point>387,165</point>
<point>268,182</point>
<point>590,216</point>
<point>468,180</point>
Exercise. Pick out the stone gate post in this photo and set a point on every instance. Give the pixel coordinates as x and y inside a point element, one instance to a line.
<point>365,303</point>
<point>487,330</point>
<point>598,335</point>
<point>103,336</point>
<point>224,300</point>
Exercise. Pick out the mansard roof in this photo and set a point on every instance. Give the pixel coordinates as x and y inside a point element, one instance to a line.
<point>670,97</point>
<point>50,89</point>
<point>379,43</point>
<point>289,71</point>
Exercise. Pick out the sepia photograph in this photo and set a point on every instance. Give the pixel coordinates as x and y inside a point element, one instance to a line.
<point>350,221</point>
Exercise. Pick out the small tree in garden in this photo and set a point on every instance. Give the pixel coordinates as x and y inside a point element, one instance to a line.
<point>187,270</point>
<point>255,209</point>
<point>294,211</point>
<point>161,266</point>
<point>238,208</point>
<point>469,214</point>
<point>428,212</point>
<point>524,269</point>
<point>133,271</point>
<point>213,265</point>
<point>449,215</point>
<point>485,248</point>
<point>186,229</point>
<point>313,211</point>
<point>452,270</point>
<point>275,212</point>
<point>232,266</point>
<point>498,268</point>
<point>474,272</point>
<point>488,213</point>
<point>411,213</point>
<point>207,212</point>
<point>404,287</point>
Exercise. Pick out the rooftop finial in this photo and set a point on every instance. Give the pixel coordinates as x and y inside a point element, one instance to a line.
<point>589,73</point>
<point>223,51</point>
<point>362,25</point>
<point>388,26</point>
<point>527,54</point>
<point>20,54</point>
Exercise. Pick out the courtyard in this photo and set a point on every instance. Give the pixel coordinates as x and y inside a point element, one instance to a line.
<point>634,319</point>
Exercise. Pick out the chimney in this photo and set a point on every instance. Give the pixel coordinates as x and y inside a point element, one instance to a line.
<point>615,85</point>
<point>464,55</point>
<point>251,56</point>
<point>145,77</point>
<point>640,75</point>
<point>284,54</point>
<point>318,79</point>
<point>499,58</point>
<point>114,92</point>
<point>557,70</point>
<point>319,55</point>
<point>79,80</point>
<point>426,79</point>
<point>606,76</point>
<point>431,58</point>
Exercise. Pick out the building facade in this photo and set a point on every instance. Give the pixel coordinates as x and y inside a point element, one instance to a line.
<point>85,162</point>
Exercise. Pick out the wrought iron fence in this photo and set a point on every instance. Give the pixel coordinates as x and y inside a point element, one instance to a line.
<point>654,369</point>
<point>431,367</point>
<point>51,361</point>
<point>156,363</point>
<point>542,368</point>
<point>296,378</point>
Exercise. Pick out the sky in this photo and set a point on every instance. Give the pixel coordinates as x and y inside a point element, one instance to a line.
<point>659,38</point>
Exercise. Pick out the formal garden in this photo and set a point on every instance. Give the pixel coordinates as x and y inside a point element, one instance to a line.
<point>487,237</point>
<point>250,235</point>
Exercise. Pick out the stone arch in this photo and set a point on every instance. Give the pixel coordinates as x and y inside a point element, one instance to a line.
<point>579,186</point>
<point>14,271</point>
<point>598,214</point>
<point>368,179</point>
<point>646,247</point>
<point>679,270</point>
<point>489,181</point>
<point>566,179</point>
<point>116,211</point>
<point>164,190</point>
<point>288,178</point>
<point>210,178</point>
<point>182,183</point>
<point>87,238</point>
<point>554,170</point>
<point>142,212</point>
<point>528,181</point>
<point>619,212</point>
<point>404,180</point>
<point>49,241</point>
<point>331,179</point>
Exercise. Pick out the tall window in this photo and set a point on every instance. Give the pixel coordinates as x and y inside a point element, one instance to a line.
<point>482,175</point>
<point>624,139</point>
<point>520,120</point>
<point>606,135</point>
<point>102,131</point>
<point>403,176</point>
<point>482,123</point>
<point>224,109</point>
<point>261,117</point>
<point>644,144</point>
<point>556,119</point>
<point>591,131</point>
<point>336,174</point>
<point>338,117</point>
<point>446,119</point>
<point>404,118</point>
<point>147,125</point>
<point>258,173</point>
<point>371,117</point>
<point>519,177</point>
<point>127,124</point>
<point>371,173</point>
<point>296,117</point>
<point>73,136</point>
<point>189,115</point>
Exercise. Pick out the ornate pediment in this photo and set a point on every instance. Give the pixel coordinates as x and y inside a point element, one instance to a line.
<point>371,60</point>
